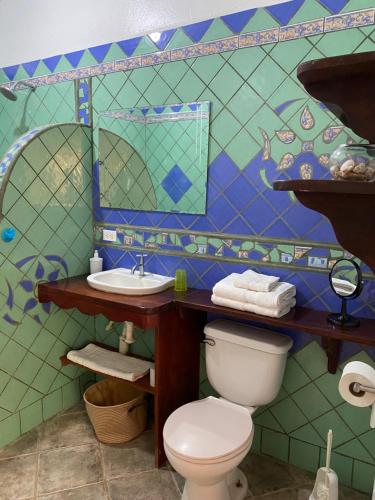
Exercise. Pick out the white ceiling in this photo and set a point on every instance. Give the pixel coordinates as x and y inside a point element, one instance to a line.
<point>35,29</point>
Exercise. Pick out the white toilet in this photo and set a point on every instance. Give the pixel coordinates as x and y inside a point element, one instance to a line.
<point>206,440</point>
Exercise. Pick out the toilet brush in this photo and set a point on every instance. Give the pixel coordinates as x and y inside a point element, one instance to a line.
<point>326,482</point>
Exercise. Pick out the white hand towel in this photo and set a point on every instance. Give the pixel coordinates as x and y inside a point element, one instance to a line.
<point>280,296</point>
<point>110,362</point>
<point>257,282</point>
<point>252,308</point>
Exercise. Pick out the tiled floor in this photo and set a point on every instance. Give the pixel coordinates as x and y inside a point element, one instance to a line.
<point>62,460</point>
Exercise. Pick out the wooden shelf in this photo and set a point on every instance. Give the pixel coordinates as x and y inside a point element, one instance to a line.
<point>350,207</point>
<point>142,384</point>
<point>345,84</point>
<point>187,312</point>
<point>299,320</point>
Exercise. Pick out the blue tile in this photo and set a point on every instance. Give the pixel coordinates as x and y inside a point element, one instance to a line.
<point>301,219</point>
<point>284,12</point>
<point>221,213</point>
<point>75,57</point>
<point>159,109</point>
<point>30,67</point>
<point>239,226</point>
<point>236,22</point>
<point>176,183</point>
<point>240,192</point>
<point>197,30</point>
<point>335,6</point>
<point>128,46</point>
<point>279,230</point>
<point>11,71</point>
<point>172,222</point>
<point>100,51</point>
<point>52,62</point>
<point>162,39</point>
<point>222,170</point>
<point>176,108</point>
<point>322,232</point>
<point>202,224</point>
<point>259,214</point>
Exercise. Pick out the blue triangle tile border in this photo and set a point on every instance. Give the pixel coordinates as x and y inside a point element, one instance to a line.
<point>282,14</point>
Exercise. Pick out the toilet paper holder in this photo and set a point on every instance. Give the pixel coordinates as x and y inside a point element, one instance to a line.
<point>359,390</point>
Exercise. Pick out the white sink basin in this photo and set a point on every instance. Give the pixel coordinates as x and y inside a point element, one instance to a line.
<point>122,281</point>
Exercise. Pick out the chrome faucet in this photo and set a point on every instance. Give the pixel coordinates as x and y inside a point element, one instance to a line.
<point>141,265</point>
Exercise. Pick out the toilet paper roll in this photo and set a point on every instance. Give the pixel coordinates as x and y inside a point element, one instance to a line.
<point>356,371</point>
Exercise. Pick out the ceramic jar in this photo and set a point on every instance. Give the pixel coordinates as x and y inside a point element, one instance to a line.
<point>354,162</point>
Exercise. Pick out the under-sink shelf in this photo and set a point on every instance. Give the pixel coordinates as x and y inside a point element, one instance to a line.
<point>142,384</point>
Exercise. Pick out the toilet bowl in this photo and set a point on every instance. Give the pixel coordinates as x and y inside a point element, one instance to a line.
<point>204,442</point>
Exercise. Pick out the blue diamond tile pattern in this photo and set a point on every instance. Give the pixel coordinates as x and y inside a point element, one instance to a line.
<point>176,183</point>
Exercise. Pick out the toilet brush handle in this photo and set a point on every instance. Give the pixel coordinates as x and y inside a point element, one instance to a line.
<point>329,449</point>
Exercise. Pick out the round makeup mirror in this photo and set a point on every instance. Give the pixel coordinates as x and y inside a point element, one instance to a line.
<point>346,281</point>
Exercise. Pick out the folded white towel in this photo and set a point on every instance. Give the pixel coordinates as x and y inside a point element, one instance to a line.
<point>280,296</point>
<point>243,306</point>
<point>110,362</point>
<point>257,282</point>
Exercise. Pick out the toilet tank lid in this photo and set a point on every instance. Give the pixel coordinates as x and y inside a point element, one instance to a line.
<point>249,336</point>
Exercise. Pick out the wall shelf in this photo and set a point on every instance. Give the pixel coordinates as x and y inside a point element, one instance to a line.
<point>350,207</point>
<point>345,84</point>
<point>298,320</point>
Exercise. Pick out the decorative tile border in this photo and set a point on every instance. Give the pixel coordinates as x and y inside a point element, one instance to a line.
<point>259,38</point>
<point>328,24</point>
<point>301,30</point>
<point>349,20</point>
<point>205,49</point>
<point>273,252</point>
<point>83,100</point>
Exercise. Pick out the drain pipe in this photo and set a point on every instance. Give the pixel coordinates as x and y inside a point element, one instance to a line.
<point>127,337</point>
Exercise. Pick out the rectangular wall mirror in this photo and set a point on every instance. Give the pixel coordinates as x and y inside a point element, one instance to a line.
<point>155,158</point>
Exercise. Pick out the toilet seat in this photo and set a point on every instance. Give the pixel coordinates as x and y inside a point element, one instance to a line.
<point>210,430</point>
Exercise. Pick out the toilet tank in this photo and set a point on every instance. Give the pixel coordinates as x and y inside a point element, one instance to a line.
<point>245,364</point>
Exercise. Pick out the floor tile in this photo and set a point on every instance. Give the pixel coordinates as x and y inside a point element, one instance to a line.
<point>349,494</point>
<point>135,456</point>
<point>71,429</point>
<point>153,485</point>
<point>17,477</point>
<point>26,444</point>
<point>265,475</point>
<point>67,468</point>
<point>287,494</point>
<point>78,407</point>
<point>91,492</point>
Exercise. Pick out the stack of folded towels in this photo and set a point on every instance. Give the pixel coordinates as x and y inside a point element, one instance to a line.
<point>255,293</point>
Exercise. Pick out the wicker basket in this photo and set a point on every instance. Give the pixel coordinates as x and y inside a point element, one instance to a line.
<point>117,411</point>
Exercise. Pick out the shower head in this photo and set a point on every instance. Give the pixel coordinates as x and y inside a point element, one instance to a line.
<point>8,91</point>
<point>9,94</point>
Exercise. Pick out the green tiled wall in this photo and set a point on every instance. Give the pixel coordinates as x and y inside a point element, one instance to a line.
<point>48,201</point>
<point>44,105</point>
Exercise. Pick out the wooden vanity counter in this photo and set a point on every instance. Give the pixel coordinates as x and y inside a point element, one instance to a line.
<point>177,340</point>
<point>75,292</point>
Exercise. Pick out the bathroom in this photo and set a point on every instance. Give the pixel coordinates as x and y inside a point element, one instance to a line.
<point>66,89</point>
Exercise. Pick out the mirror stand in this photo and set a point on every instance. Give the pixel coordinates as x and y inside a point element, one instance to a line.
<point>342,318</point>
